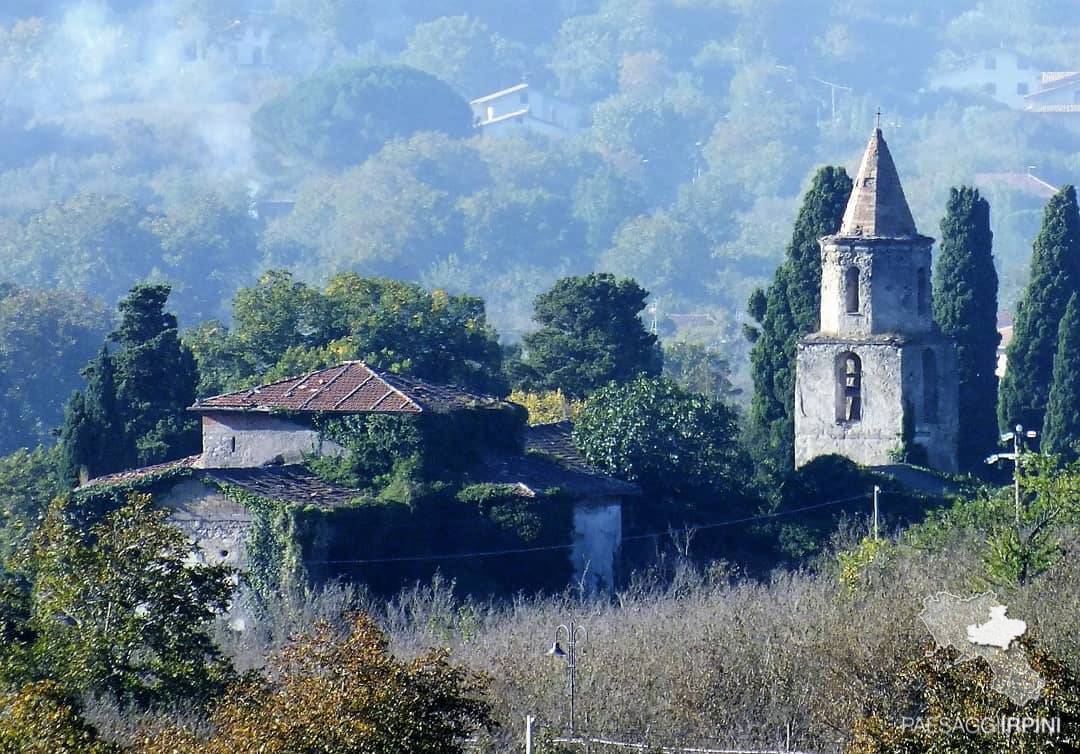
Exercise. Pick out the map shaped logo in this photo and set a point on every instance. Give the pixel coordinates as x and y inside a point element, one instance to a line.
<point>978,627</point>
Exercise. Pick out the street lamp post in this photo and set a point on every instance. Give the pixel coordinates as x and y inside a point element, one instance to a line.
<point>1016,437</point>
<point>574,634</point>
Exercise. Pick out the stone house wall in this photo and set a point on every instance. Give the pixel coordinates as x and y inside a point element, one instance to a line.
<point>247,440</point>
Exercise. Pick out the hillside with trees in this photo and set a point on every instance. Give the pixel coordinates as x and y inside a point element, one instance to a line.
<point>205,199</point>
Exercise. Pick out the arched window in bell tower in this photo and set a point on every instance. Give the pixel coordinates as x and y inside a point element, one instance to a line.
<point>930,386</point>
<point>924,291</point>
<point>848,388</point>
<point>851,290</point>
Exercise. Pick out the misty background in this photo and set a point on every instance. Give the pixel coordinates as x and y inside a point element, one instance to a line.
<point>204,142</point>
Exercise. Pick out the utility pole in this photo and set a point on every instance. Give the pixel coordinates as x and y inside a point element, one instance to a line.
<point>877,491</point>
<point>832,89</point>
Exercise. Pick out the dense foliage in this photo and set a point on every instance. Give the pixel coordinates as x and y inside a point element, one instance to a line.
<point>672,442</point>
<point>283,327</point>
<point>337,118</point>
<point>965,308</point>
<point>590,334</point>
<point>1055,277</point>
<point>46,337</point>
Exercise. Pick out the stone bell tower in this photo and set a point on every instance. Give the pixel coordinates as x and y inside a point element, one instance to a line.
<point>878,370</point>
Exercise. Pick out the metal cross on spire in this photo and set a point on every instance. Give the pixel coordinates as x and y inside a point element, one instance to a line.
<point>879,118</point>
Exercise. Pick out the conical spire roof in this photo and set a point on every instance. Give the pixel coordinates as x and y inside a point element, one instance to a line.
<point>877,206</point>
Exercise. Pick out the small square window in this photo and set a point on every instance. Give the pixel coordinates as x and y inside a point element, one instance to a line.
<point>1022,88</point>
<point>990,89</point>
<point>524,98</point>
<point>990,63</point>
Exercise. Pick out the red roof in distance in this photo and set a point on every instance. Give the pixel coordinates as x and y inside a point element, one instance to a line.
<point>349,388</point>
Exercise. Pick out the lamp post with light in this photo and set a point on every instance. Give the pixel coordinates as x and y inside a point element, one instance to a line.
<point>574,634</point>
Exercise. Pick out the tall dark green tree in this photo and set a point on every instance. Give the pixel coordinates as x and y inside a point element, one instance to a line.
<point>965,307</point>
<point>1055,277</point>
<point>156,379</point>
<point>1061,431</point>
<point>789,309</point>
<point>591,333</point>
<point>93,428</point>
<point>133,411</point>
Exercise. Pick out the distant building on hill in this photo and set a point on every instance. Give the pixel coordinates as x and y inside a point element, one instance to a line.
<point>878,374</point>
<point>1003,75</point>
<point>524,107</point>
<point>1022,183</point>
<point>1058,92</point>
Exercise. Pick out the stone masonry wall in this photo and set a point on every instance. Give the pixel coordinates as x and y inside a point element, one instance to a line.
<point>241,440</point>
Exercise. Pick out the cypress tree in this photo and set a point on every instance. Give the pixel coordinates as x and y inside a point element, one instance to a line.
<point>91,436</point>
<point>156,379</point>
<point>789,309</point>
<point>133,411</point>
<point>1055,276</point>
<point>965,307</point>
<point>1062,428</point>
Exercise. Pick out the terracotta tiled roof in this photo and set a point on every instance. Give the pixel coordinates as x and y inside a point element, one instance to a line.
<point>349,388</point>
<point>135,475</point>
<point>877,207</point>
<point>287,484</point>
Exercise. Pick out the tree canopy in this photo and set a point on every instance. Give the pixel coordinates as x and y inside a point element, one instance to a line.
<point>590,334</point>
<point>337,118</point>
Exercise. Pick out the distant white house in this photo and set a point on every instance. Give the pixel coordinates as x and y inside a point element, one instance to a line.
<point>523,107</point>
<point>1003,75</point>
<point>244,42</point>
<point>1059,92</point>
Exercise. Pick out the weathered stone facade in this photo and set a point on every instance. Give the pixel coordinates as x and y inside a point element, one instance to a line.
<point>877,373</point>
<point>237,440</point>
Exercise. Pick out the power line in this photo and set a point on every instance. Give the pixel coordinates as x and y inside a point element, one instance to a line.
<point>551,548</point>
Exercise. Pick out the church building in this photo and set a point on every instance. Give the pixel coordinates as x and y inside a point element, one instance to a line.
<point>878,375</point>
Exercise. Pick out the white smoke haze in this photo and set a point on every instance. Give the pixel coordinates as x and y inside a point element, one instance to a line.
<point>93,70</point>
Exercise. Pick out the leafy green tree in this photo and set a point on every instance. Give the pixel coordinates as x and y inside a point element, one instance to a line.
<point>965,307</point>
<point>506,226</point>
<point>1055,277</point>
<point>350,695</point>
<point>787,311</point>
<point>338,117</point>
<point>46,337</point>
<point>672,442</point>
<point>42,718</point>
<point>119,609</point>
<point>591,333</point>
<point>462,51</point>
<point>1061,432</point>
<point>29,480</point>
<point>283,327</point>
